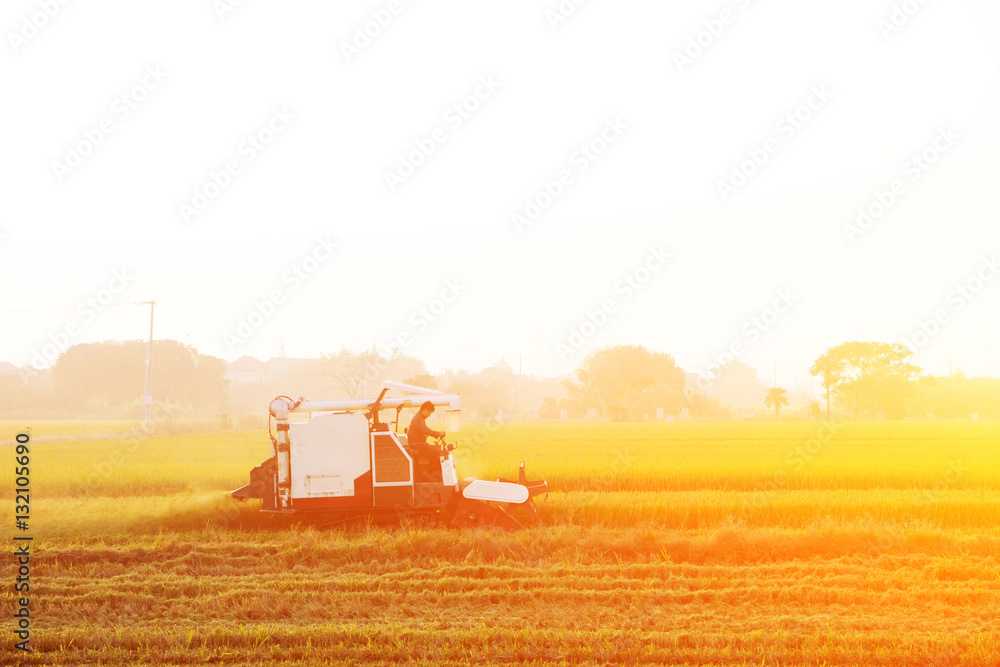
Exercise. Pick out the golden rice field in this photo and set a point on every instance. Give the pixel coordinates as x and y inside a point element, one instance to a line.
<point>793,543</point>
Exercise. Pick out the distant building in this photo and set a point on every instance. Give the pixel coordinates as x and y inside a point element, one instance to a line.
<point>696,382</point>
<point>734,385</point>
<point>253,383</point>
<point>737,386</point>
<point>250,369</point>
<point>247,369</point>
<point>282,365</point>
<point>503,365</point>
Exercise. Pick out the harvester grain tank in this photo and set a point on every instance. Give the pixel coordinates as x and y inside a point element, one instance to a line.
<point>338,458</point>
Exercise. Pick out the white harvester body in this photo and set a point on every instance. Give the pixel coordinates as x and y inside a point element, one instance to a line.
<point>336,456</point>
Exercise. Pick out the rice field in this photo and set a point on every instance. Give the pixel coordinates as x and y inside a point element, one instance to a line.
<point>790,543</point>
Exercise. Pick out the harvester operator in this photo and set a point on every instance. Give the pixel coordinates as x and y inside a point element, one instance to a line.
<point>416,434</point>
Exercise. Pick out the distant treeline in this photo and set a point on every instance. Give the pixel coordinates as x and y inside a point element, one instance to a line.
<point>861,380</point>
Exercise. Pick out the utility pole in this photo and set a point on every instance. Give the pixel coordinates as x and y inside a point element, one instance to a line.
<point>147,398</point>
<point>950,362</point>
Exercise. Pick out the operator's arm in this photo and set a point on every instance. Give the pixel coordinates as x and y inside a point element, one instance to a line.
<point>419,427</point>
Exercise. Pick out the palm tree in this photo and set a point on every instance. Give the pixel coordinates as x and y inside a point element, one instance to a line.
<point>776,397</point>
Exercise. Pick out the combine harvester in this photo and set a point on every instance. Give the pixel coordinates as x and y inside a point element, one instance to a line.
<point>338,459</point>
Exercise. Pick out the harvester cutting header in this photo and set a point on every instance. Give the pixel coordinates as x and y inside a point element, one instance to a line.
<point>338,458</point>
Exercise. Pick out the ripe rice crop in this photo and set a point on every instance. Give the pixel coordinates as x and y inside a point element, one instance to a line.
<point>688,543</point>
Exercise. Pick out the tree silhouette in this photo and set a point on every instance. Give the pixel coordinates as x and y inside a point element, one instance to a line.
<point>111,373</point>
<point>866,377</point>
<point>627,381</point>
<point>829,368</point>
<point>348,368</point>
<point>776,397</point>
<point>353,372</point>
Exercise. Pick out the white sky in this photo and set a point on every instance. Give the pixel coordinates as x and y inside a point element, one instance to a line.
<point>323,176</point>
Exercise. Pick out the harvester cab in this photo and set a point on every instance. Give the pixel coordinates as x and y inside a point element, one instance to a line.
<point>338,458</point>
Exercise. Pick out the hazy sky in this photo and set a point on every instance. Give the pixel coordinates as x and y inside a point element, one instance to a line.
<point>482,180</point>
